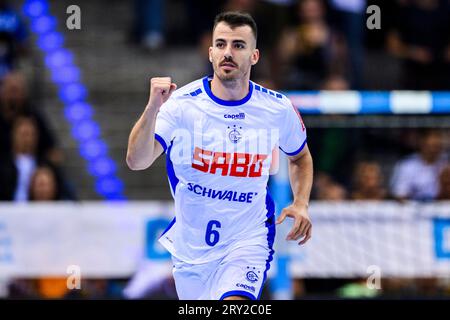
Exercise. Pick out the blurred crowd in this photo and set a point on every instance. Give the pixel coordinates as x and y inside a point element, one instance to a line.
<point>422,174</point>
<point>314,44</point>
<point>30,159</point>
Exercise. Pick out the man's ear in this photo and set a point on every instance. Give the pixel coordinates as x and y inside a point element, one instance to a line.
<point>255,57</point>
<point>210,54</point>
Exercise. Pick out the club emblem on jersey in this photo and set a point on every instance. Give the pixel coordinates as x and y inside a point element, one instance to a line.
<point>252,276</point>
<point>234,134</point>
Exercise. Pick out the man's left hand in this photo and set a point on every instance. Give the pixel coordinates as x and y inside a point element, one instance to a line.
<point>302,223</point>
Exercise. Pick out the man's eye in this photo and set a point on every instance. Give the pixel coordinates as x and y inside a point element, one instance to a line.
<point>219,45</point>
<point>239,46</point>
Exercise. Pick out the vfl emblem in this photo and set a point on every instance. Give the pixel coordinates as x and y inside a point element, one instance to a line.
<point>252,276</point>
<point>234,135</point>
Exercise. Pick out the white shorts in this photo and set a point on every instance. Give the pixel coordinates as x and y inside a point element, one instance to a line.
<point>242,272</point>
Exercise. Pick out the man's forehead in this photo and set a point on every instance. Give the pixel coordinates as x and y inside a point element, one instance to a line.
<point>224,31</point>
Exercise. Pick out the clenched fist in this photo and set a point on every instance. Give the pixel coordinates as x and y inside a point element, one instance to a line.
<point>160,91</point>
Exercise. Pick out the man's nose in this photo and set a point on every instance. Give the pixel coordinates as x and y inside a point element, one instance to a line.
<point>227,53</point>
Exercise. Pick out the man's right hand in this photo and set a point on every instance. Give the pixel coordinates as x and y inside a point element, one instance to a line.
<point>160,91</point>
<point>142,151</point>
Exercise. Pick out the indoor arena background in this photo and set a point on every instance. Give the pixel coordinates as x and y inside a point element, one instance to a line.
<point>373,87</point>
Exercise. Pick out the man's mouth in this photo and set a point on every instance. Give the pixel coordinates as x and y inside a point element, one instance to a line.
<point>228,65</point>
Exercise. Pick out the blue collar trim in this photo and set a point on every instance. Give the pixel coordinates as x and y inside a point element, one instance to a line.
<point>228,103</point>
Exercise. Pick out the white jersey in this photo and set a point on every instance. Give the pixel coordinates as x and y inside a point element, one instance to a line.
<point>218,159</point>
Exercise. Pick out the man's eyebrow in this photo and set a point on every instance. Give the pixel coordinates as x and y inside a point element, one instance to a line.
<point>234,41</point>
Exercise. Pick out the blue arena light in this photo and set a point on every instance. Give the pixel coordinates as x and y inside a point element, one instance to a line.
<point>43,24</point>
<point>59,58</point>
<point>102,167</point>
<point>78,111</point>
<point>116,197</point>
<point>35,8</point>
<point>50,41</point>
<point>72,93</point>
<point>93,149</point>
<point>111,188</point>
<point>441,102</point>
<point>370,102</point>
<point>65,75</point>
<point>85,130</point>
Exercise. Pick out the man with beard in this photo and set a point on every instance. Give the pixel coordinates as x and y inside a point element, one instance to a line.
<point>220,134</point>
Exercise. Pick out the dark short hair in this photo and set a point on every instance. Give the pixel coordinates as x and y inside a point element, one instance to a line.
<point>236,19</point>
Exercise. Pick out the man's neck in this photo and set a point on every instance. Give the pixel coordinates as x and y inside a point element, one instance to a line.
<point>230,90</point>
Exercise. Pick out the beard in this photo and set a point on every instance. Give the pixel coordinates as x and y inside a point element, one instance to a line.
<point>229,77</point>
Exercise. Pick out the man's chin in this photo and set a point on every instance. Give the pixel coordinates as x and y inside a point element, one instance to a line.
<point>228,76</point>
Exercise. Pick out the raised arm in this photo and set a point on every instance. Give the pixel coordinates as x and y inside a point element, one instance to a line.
<point>143,148</point>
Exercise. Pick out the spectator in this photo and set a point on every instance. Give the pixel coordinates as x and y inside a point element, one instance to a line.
<point>417,177</point>
<point>335,82</point>
<point>149,23</point>
<point>332,192</point>
<point>444,184</point>
<point>14,102</point>
<point>421,40</point>
<point>44,185</point>
<point>307,50</point>
<point>16,170</point>
<point>13,36</point>
<point>349,18</point>
<point>368,182</point>
<point>327,189</point>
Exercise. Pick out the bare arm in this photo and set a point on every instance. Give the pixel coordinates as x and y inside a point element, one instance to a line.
<point>301,178</point>
<point>143,149</point>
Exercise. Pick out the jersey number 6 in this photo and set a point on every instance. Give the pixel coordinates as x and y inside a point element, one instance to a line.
<point>212,236</point>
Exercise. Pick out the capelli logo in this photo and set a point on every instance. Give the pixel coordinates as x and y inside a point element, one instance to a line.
<point>238,116</point>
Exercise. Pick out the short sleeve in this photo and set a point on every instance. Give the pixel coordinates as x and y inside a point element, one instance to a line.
<point>166,123</point>
<point>292,131</point>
